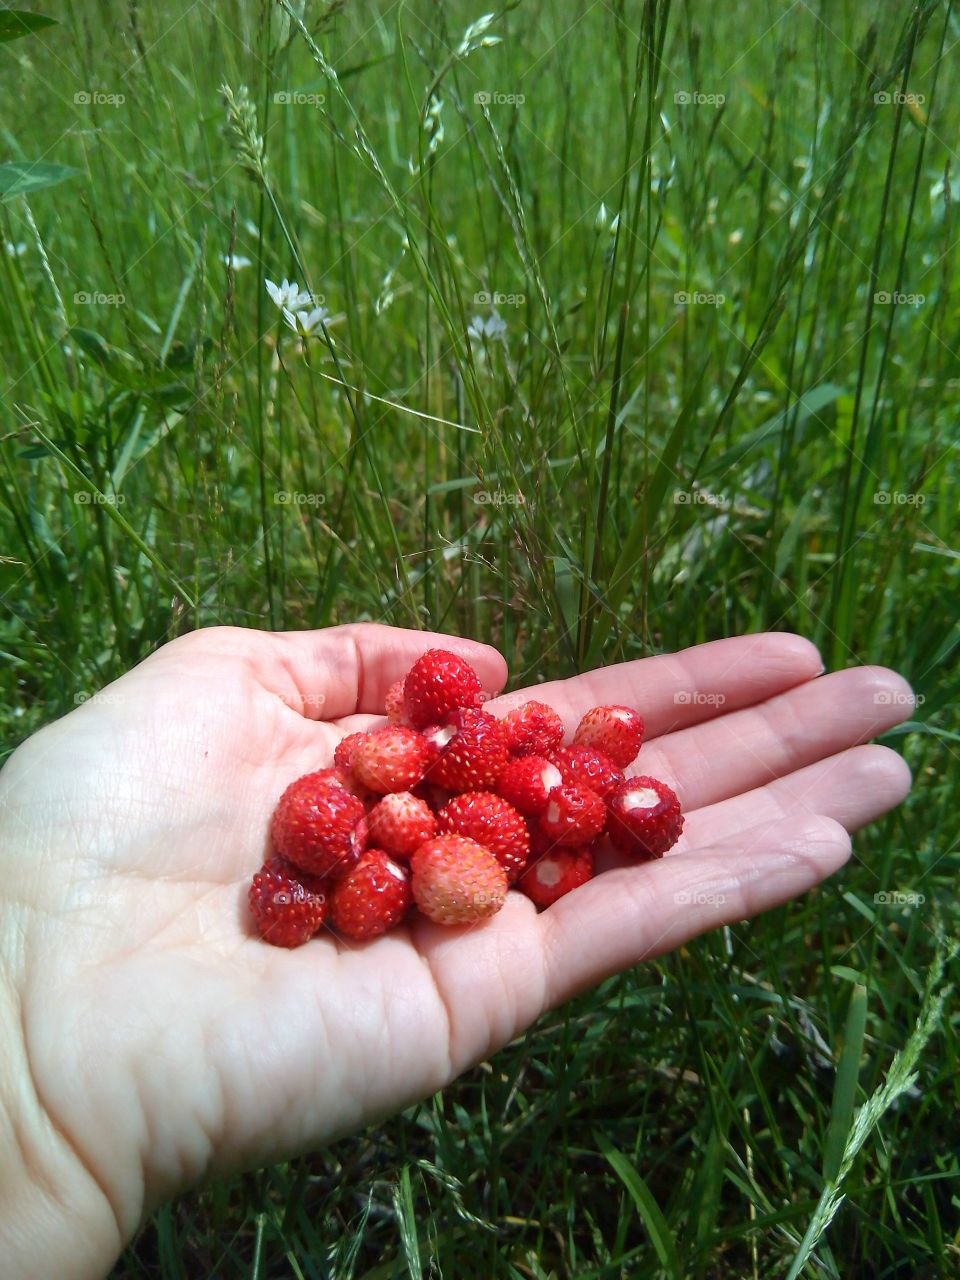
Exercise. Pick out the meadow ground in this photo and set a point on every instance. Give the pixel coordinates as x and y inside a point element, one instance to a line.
<point>706,256</point>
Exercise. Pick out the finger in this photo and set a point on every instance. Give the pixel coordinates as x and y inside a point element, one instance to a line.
<point>853,788</point>
<point>679,689</point>
<point>746,749</point>
<point>339,671</point>
<point>636,913</point>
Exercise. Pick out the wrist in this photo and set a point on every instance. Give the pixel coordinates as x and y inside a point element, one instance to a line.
<point>54,1218</point>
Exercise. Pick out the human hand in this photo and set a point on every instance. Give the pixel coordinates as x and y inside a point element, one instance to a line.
<point>150,1039</point>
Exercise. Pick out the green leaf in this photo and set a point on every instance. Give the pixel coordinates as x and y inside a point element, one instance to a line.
<point>811,402</point>
<point>19,177</point>
<point>845,1087</point>
<point>15,23</point>
<point>656,1224</point>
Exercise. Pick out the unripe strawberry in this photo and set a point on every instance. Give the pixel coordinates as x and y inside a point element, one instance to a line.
<point>457,881</point>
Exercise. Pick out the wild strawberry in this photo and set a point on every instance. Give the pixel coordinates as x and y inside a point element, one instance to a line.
<point>400,823</point>
<point>393,704</point>
<point>527,782</point>
<point>288,906</point>
<point>616,731</point>
<point>318,826</point>
<point>474,754</point>
<point>492,822</point>
<point>457,881</point>
<point>573,815</point>
<point>344,778</point>
<point>439,682</point>
<point>556,873</point>
<point>346,748</point>
<point>532,730</point>
<point>371,898</point>
<point>392,758</point>
<point>587,767</point>
<point>644,817</point>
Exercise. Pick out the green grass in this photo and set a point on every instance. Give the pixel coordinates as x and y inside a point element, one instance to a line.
<point>783,456</point>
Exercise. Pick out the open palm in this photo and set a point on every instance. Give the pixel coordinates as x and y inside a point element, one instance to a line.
<point>158,1040</point>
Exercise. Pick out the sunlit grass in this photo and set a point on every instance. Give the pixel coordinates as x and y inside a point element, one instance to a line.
<point>722,398</point>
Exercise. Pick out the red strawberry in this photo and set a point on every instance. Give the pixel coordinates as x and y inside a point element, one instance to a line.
<point>573,815</point>
<point>457,881</point>
<point>371,898</point>
<point>587,767</point>
<point>346,748</point>
<point>616,731</point>
<point>474,755</point>
<point>318,826</point>
<point>644,818</point>
<point>344,778</point>
<point>393,758</point>
<point>490,821</point>
<point>532,730</point>
<point>400,823</point>
<point>288,906</point>
<point>439,682</point>
<point>555,874</point>
<point>393,704</point>
<point>527,782</point>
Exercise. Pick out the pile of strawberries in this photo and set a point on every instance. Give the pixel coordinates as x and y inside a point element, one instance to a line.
<point>446,806</point>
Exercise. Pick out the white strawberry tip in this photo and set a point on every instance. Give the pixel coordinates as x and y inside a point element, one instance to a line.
<point>550,777</point>
<point>639,798</point>
<point>440,735</point>
<point>553,812</point>
<point>548,872</point>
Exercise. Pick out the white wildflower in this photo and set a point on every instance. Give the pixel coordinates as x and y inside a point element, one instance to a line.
<point>236,261</point>
<point>305,322</point>
<point>287,295</point>
<point>492,328</point>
